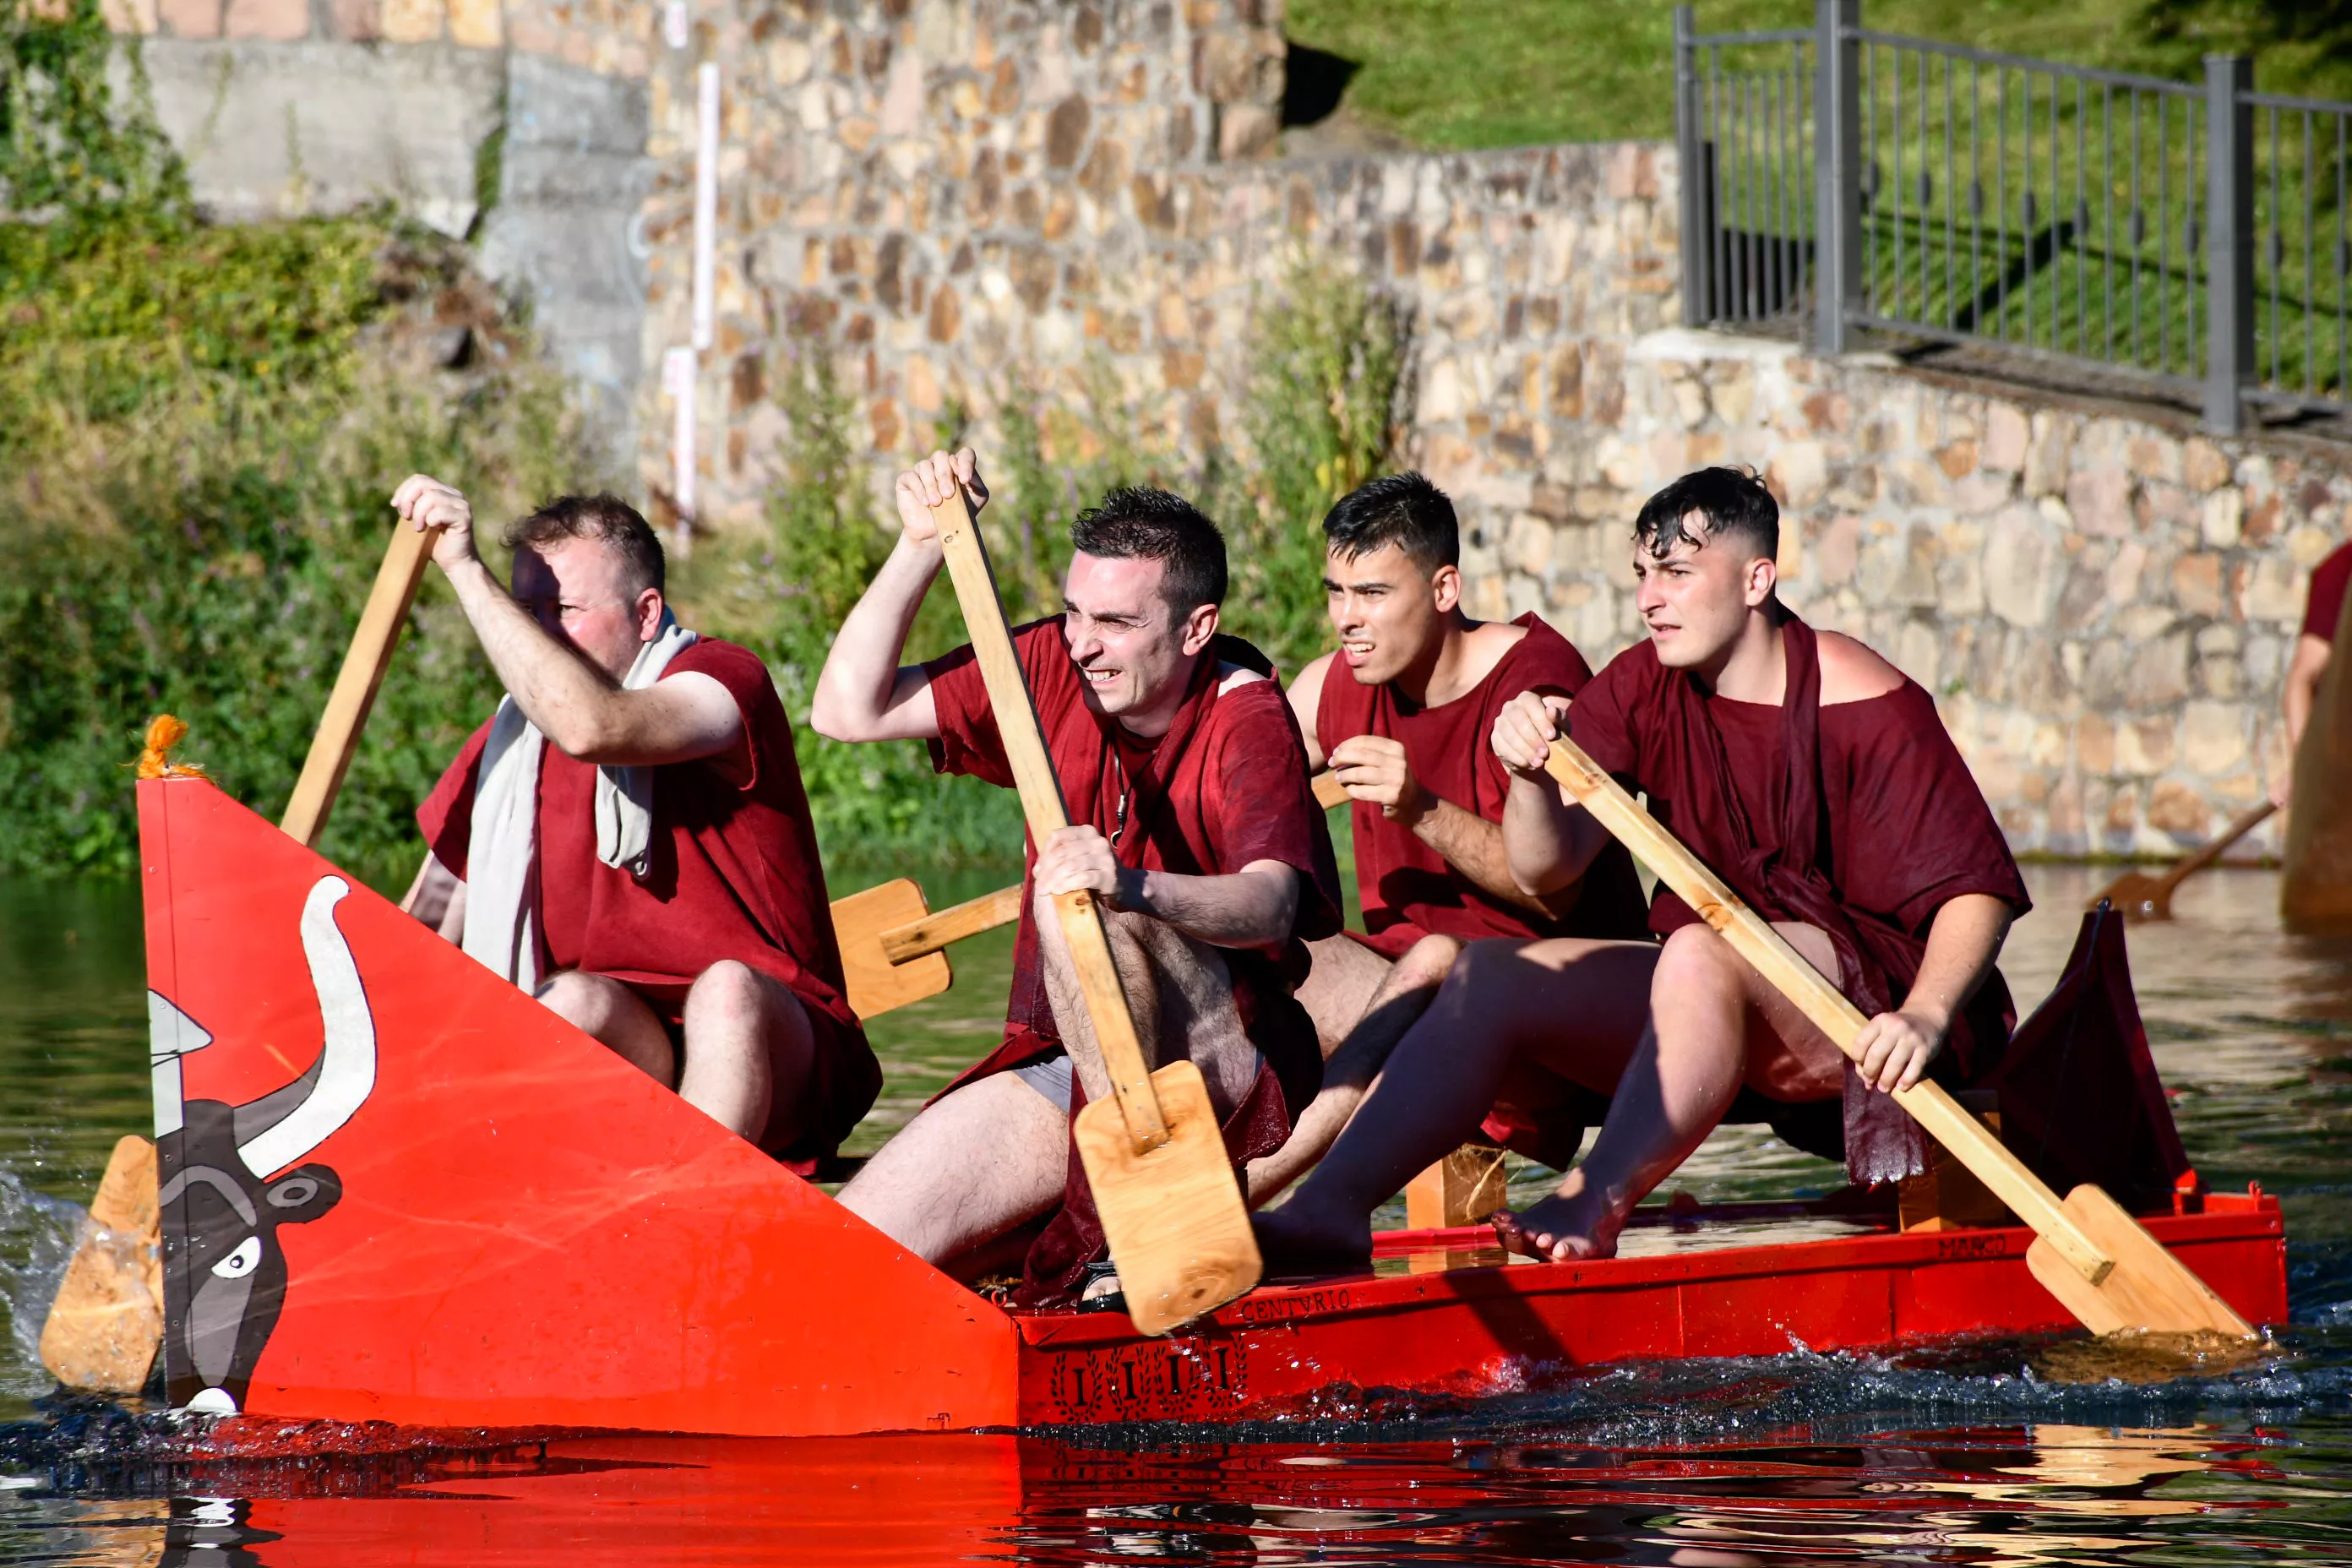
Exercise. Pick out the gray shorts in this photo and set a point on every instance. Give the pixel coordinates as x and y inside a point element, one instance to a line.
<point>1050,1077</point>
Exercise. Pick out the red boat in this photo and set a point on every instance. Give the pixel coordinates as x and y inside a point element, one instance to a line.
<point>395,1188</point>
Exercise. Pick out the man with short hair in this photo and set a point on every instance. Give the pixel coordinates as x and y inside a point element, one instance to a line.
<point>1193,822</point>
<point>1820,783</point>
<point>627,839</point>
<point>1401,712</point>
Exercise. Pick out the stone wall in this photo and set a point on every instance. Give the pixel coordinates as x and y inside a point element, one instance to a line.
<point>968,200</point>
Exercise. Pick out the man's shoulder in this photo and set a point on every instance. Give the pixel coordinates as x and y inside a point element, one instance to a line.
<point>732,665</point>
<point>1540,656</point>
<point>1852,672</point>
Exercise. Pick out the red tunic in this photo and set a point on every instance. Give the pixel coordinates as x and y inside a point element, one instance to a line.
<point>735,875</point>
<point>1407,888</point>
<point>2325,606</point>
<point>1225,786</point>
<point>1860,819</point>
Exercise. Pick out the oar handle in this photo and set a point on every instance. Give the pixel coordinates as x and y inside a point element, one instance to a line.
<point>338,739</point>
<point>1786,970</point>
<point>2245,822</point>
<point>1040,802</point>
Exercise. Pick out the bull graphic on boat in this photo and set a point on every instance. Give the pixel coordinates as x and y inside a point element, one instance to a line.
<point>231,1175</point>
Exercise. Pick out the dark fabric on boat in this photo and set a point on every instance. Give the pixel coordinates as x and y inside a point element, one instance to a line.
<point>2079,1098</point>
<point>1891,809</point>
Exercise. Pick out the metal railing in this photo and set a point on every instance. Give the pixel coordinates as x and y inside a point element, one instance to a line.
<point>2194,238</point>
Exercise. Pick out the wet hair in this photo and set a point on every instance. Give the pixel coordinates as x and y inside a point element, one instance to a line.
<point>1403,510</point>
<point>1152,526</point>
<point>605,518</point>
<point>1732,500</point>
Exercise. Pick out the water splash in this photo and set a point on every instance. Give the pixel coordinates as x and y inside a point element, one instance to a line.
<point>36,1238</point>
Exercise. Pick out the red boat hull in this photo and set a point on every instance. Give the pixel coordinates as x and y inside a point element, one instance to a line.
<point>530,1233</point>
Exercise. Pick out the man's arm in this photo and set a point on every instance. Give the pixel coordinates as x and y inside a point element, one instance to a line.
<point>862,693</point>
<point>1375,768</point>
<point>2297,694</point>
<point>1547,842</point>
<point>1962,943</point>
<point>1305,696</point>
<point>580,708</point>
<point>1253,907</point>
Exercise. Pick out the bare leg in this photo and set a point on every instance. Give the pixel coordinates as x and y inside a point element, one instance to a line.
<point>1573,1006</point>
<point>1339,987</point>
<point>750,1054</point>
<point>1403,997</point>
<point>1715,1025</point>
<point>616,1016</point>
<point>983,1161</point>
<point>1177,992</point>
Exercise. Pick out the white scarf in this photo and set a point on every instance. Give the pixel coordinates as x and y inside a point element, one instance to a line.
<point>502,927</point>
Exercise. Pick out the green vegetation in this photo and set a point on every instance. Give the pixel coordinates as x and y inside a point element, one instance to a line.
<point>198,430</point>
<point>1496,73</point>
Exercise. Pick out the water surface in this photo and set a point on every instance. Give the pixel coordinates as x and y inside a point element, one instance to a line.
<point>1969,1453</point>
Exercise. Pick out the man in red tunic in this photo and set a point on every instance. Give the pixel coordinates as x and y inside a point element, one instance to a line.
<point>1821,784</point>
<point>627,837</point>
<point>2300,690</point>
<point>1192,819</point>
<point>1401,713</point>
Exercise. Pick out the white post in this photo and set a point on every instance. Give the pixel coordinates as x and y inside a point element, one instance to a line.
<point>706,203</point>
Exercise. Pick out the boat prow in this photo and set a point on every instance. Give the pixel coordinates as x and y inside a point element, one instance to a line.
<point>395,1188</point>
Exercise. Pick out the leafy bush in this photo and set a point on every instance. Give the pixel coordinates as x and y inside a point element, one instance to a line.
<point>199,428</point>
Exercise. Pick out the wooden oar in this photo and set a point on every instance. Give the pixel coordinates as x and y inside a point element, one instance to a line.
<point>1172,1211</point>
<point>2087,1252</point>
<point>338,738</point>
<point>1329,790</point>
<point>2145,898</point>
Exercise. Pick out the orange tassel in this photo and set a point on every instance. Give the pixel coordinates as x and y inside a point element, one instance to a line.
<point>164,733</point>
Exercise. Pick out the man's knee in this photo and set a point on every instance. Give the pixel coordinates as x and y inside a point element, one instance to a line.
<point>584,1001</point>
<point>1428,961</point>
<point>1695,961</point>
<point>732,988</point>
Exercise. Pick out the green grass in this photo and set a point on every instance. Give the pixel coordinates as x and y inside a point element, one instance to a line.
<point>1498,73</point>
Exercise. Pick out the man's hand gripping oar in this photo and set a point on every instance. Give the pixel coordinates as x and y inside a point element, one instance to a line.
<point>1172,1211</point>
<point>2088,1253</point>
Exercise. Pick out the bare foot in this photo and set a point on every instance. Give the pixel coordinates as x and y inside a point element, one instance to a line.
<point>1296,1242</point>
<point>1561,1229</point>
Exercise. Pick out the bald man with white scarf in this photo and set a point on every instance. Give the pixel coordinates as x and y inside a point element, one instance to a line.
<point>670,902</point>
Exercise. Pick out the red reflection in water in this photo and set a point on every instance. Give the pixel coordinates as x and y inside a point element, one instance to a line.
<point>2031,1494</point>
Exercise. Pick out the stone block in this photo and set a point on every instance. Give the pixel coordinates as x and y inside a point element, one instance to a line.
<point>2157,675</point>
<point>2006,433</point>
<point>2221,518</point>
<point>362,22</point>
<point>2100,501</point>
<point>1799,472</point>
<point>138,16</point>
<point>2145,746</point>
<point>2094,744</point>
<point>2178,810</point>
<point>2204,465</point>
<point>2213,737</point>
<point>190,18</point>
<point>2020,585</point>
<point>2050,453</point>
<point>1957,460</point>
<point>414,21</point>
<point>2197,583</point>
<point>2274,591</point>
<point>475,24</point>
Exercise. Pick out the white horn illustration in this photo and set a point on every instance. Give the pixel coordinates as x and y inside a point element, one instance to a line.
<point>280,1129</point>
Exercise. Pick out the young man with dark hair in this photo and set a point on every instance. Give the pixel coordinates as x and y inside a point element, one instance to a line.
<point>627,839</point>
<point>1816,781</point>
<point>1192,819</point>
<point>1401,713</point>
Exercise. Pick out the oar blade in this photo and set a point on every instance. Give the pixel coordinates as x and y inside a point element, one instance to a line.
<point>1172,1215</point>
<point>876,984</point>
<point>2150,1289</point>
<point>2140,897</point>
<point>107,1321</point>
